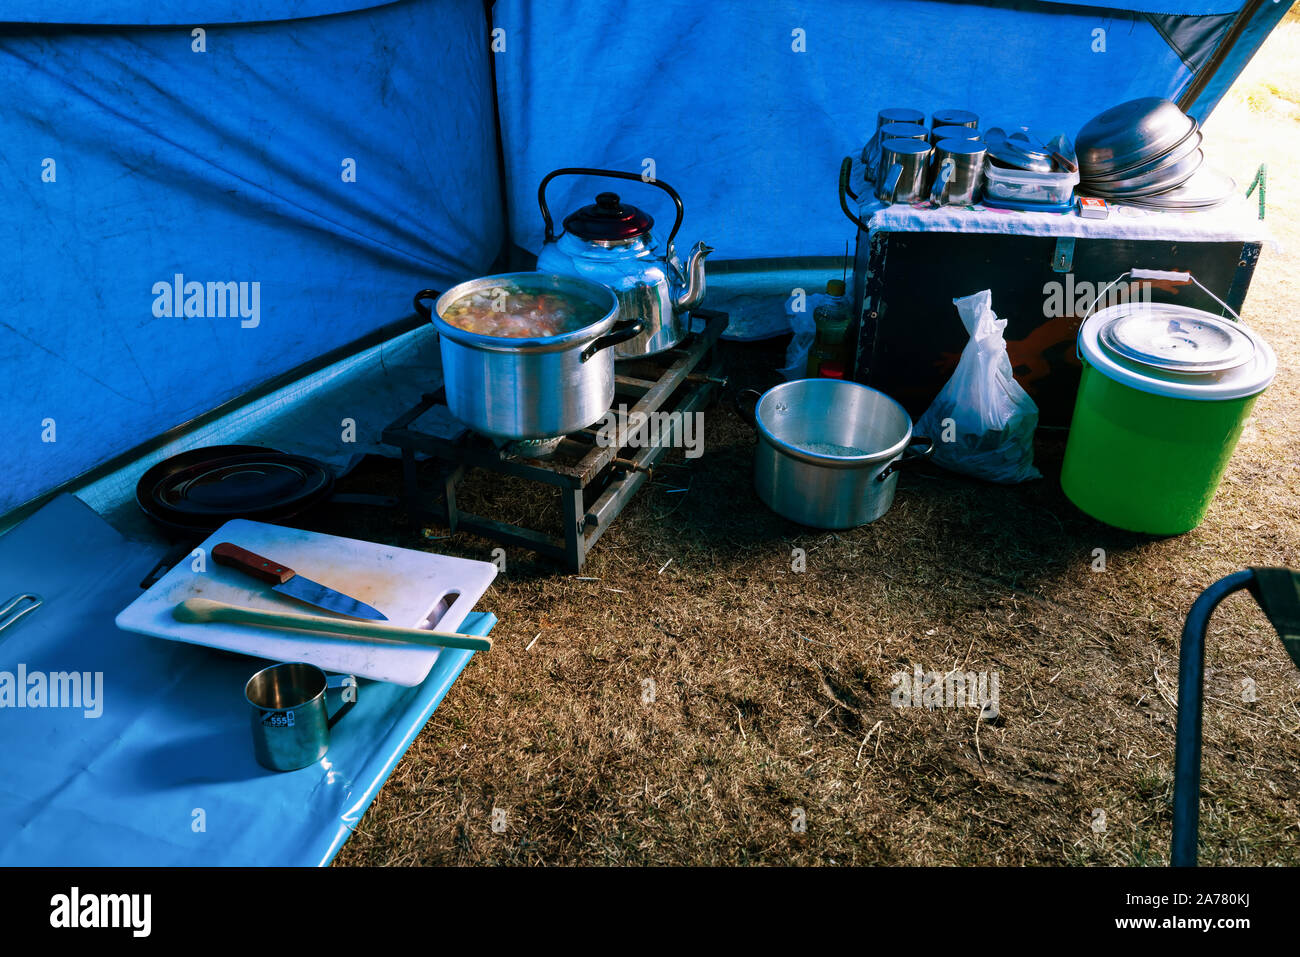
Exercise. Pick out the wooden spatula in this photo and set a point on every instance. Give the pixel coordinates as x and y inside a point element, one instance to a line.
<point>203,610</point>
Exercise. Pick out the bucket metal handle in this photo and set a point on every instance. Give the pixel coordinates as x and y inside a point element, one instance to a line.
<point>1158,274</point>
<point>1164,275</point>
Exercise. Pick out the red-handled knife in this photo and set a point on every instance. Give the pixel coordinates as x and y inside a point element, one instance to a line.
<point>288,582</point>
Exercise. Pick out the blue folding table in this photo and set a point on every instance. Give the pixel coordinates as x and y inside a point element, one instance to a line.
<point>164,774</point>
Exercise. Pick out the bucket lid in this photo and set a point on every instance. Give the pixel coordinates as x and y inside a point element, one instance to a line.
<point>1177,351</point>
<point>1160,336</point>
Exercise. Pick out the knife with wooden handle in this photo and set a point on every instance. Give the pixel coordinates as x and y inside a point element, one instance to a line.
<point>286,581</point>
<point>203,610</point>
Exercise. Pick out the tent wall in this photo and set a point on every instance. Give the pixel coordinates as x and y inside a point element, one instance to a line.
<point>130,158</point>
<point>1249,30</point>
<point>224,166</point>
<point>751,130</point>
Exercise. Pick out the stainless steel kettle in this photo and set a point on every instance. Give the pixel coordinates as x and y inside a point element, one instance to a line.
<point>610,242</point>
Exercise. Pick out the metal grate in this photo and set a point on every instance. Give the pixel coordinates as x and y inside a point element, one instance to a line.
<point>595,479</point>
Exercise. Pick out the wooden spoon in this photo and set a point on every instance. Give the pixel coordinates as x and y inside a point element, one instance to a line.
<point>204,610</point>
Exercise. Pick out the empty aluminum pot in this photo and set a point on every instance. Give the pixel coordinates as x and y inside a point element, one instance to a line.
<point>903,173</point>
<point>955,118</point>
<point>958,172</point>
<point>829,451</point>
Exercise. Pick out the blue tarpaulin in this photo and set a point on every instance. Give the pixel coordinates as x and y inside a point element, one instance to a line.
<point>197,157</point>
<point>137,170</point>
<point>748,108</point>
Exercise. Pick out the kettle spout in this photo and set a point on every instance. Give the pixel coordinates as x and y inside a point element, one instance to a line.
<point>693,294</point>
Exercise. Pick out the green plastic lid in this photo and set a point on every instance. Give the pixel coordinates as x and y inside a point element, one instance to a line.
<point>835,287</point>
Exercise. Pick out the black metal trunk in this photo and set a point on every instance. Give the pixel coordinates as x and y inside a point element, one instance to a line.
<point>909,335</point>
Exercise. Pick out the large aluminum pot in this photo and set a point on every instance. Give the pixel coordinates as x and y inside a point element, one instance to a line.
<point>829,451</point>
<point>529,388</point>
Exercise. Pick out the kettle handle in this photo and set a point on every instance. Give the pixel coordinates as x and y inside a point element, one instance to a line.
<point>613,174</point>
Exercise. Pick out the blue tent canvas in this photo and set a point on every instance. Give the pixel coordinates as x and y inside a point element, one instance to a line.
<point>202,195</point>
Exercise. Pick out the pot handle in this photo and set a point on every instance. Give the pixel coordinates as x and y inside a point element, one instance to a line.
<point>746,415</point>
<point>612,174</point>
<point>909,457</point>
<point>624,330</point>
<point>424,311</point>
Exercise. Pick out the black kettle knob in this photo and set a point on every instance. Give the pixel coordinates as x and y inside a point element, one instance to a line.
<point>609,203</point>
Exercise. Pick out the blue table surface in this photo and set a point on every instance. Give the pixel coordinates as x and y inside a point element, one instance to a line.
<point>165,774</point>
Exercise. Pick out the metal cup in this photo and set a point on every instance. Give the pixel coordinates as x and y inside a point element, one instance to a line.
<point>958,171</point>
<point>954,133</point>
<point>291,724</point>
<point>911,128</point>
<point>955,118</point>
<point>903,171</point>
<point>899,115</point>
<point>904,131</point>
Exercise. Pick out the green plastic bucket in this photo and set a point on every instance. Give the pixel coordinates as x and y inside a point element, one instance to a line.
<point>1164,394</point>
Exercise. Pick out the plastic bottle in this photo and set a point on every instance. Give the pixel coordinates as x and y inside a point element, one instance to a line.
<point>831,319</point>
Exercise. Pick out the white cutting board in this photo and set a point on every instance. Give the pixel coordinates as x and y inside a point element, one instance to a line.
<point>405,585</point>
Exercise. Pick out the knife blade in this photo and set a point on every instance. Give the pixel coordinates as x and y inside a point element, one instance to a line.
<point>288,582</point>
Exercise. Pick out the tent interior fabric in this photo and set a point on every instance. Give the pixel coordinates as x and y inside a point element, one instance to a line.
<point>206,194</point>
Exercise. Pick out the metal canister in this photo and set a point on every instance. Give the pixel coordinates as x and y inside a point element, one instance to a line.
<point>904,170</point>
<point>954,133</point>
<point>958,171</point>
<point>904,131</point>
<point>955,118</point>
<point>899,115</point>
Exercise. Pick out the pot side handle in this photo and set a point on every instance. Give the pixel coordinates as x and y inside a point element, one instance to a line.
<point>748,416</point>
<point>910,456</point>
<point>424,311</point>
<point>623,330</point>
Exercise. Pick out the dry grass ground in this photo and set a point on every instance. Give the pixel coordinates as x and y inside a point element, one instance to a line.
<point>771,686</point>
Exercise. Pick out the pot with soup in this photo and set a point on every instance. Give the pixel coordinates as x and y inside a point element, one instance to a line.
<point>527,355</point>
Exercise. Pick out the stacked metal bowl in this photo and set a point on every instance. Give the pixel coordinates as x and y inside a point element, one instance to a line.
<point>1147,153</point>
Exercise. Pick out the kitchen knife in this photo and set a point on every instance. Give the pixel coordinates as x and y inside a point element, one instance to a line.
<point>288,582</point>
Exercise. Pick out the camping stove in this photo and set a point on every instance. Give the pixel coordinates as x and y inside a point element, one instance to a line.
<point>596,470</point>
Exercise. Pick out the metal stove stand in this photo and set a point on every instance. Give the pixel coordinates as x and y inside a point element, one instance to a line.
<point>595,481</point>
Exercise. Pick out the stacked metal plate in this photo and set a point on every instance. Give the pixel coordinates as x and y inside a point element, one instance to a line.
<point>1147,153</point>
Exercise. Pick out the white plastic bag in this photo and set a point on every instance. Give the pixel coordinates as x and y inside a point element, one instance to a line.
<point>982,422</point>
<point>805,333</point>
